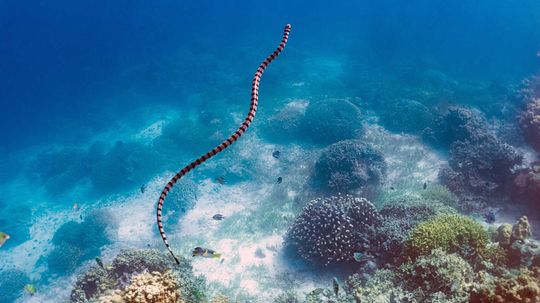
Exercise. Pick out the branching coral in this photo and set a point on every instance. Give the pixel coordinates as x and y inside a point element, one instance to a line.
<point>347,166</point>
<point>331,230</point>
<point>451,233</point>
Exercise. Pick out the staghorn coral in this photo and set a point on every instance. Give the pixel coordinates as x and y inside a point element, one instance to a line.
<point>330,230</point>
<point>452,234</point>
<point>330,121</point>
<point>347,166</point>
<point>438,274</point>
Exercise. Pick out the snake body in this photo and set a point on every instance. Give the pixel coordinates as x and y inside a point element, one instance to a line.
<point>243,127</point>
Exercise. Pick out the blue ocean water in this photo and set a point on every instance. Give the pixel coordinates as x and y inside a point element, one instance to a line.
<point>102,102</point>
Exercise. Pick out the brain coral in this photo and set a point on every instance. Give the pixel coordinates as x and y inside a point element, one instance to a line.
<point>347,166</point>
<point>451,233</point>
<point>331,230</point>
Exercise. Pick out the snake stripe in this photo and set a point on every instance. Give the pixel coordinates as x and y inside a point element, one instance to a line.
<point>243,127</point>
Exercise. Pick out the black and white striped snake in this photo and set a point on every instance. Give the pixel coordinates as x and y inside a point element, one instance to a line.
<point>243,127</point>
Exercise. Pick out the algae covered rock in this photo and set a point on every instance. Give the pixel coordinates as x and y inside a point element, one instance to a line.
<point>521,230</point>
<point>504,235</point>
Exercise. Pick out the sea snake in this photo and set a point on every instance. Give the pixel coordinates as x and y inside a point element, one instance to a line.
<point>243,127</point>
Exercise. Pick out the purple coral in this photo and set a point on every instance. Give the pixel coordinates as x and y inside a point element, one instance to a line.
<point>330,230</point>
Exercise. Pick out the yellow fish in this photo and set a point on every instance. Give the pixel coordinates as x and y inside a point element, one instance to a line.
<point>3,238</point>
<point>205,253</point>
<point>30,288</point>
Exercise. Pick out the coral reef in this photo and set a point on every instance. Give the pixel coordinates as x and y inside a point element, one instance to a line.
<point>284,125</point>
<point>529,119</point>
<point>347,166</point>
<point>76,242</point>
<point>458,124</point>
<point>399,217</point>
<point>526,185</point>
<point>220,299</point>
<point>438,274</point>
<point>140,276</point>
<point>12,282</point>
<point>522,286</point>
<point>331,230</point>
<point>407,116</point>
<point>452,234</point>
<point>330,121</point>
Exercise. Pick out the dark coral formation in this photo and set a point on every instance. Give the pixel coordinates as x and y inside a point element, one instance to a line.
<point>329,121</point>
<point>75,242</point>
<point>398,218</point>
<point>347,166</point>
<point>529,120</point>
<point>12,282</point>
<point>331,230</point>
<point>116,280</point>
<point>407,116</point>
<point>458,124</point>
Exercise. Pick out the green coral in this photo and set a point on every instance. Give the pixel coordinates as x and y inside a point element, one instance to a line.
<point>451,233</point>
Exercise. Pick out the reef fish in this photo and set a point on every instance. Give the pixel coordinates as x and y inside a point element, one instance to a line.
<point>425,185</point>
<point>218,217</point>
<point>3,238</point>
<point>221,180</point>
<point>99,262</point>
<point>205,253</point>
<point>143,188</point>
<point>30,288</point>
<point>279,180</point>
<point>335,285</point>
<point>490,217</point>
<point>276,154</point>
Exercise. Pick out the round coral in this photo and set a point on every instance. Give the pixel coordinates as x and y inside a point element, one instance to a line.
<point>451,233</point>
<point>331,230</point>
<point>347,166</point>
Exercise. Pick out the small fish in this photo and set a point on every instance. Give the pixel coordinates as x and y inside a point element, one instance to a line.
<point>279,180</point>
<point>392,188</point>
<point>99,262</point>
<point>276,154</point>
<point>221,180</point>
<point>3,238</point>
<point>80,216</point>
<point>425,185</point>
<point>205,253</point>
<point>143,188</point>
<point>361,257</point>
<point>222,259</point>
<point>335,285</point>
<point>75,206</point>
<point>30,288</point>
<point>218,217</point>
